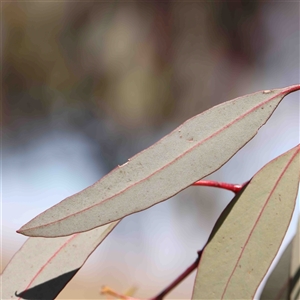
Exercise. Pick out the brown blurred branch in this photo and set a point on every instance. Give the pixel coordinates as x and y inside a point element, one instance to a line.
<point>108,291</point>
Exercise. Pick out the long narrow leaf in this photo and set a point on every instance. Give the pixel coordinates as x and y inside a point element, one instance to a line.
<point>249,232</point>
<point>43,266</point>
<point>194,150</point>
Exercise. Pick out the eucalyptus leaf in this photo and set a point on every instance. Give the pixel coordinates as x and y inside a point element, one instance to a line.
<point>249,232</point>
<point>43,266</point>
<point>194,150</point>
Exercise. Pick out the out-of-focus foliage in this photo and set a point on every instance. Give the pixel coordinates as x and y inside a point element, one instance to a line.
<point>127,66</point>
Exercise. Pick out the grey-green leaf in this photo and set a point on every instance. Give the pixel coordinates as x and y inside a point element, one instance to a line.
<point>249,232</point>
<point>43,266</point>
<point>194,150</point>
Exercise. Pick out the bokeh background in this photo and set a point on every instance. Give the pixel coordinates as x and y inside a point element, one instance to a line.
<point>86,85</point>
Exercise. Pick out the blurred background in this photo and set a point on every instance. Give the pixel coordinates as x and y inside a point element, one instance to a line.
<point>86,85</point>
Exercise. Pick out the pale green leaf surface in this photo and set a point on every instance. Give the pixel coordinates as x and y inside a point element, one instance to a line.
<point>194,150</point>
<point>43,266</point>
<point>249,232</point>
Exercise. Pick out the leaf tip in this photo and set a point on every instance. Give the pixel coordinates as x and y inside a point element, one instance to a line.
<point>21,231</point>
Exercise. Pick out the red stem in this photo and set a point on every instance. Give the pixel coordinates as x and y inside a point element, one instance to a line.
<point>235,188</point>
<point>187,272</point>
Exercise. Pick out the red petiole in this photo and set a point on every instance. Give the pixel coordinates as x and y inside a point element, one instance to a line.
<point>235,188</point>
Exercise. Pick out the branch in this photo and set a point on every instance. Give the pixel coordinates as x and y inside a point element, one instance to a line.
<point>181,277</point>
<point>108,291</point>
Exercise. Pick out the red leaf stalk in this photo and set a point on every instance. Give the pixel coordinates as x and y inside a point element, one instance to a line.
<point>235,188</point>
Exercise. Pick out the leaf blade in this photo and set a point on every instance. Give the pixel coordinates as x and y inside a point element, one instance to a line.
<point>194,150</point>
<point>42,267</point>
<point>247,234</point>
